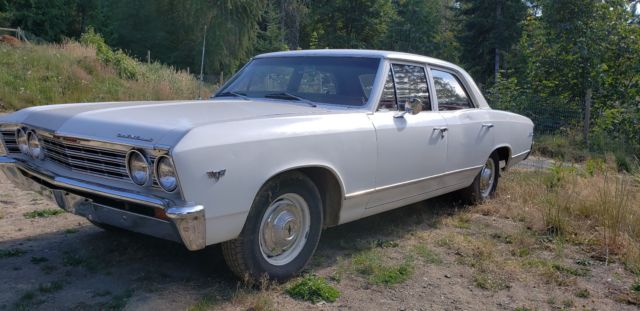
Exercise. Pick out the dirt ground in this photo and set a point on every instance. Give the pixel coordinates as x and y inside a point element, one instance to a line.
<point>64,262</point>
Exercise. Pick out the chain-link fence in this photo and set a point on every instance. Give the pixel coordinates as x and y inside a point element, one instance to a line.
<point>559,133</point>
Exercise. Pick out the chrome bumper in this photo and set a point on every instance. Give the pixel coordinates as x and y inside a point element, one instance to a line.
<point>186,223</point>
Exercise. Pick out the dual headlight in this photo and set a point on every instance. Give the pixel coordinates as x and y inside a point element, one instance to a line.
<point>140,170</point>
<point>29,143</point>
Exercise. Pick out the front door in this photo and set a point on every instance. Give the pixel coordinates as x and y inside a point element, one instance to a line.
<point>412,148</point>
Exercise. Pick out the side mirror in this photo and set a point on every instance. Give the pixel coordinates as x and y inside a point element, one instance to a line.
<point>412,106</point>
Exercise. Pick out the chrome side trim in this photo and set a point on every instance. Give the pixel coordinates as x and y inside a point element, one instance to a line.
<point>520,154</point>
<point>409,182</point>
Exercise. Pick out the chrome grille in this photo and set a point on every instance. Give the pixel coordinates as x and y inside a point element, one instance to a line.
<point>9,138</point>
<point>90,160</point>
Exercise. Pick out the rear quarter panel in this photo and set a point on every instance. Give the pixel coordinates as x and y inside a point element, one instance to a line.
<point>514,131</point>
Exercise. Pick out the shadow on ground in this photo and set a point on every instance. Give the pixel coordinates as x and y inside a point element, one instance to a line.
<point>88,268</point>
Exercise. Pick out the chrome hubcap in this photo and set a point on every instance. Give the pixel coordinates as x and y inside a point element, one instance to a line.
<point>487,177</point>
<point>284,228</point>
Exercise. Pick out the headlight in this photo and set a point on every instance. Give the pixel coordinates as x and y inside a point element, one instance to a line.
<point>166,173</point>
<point>21,139</point>
<point>35,148</point>
<point>138,167</point>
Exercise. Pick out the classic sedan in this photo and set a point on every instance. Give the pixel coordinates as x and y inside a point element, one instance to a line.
<point>294,143</point>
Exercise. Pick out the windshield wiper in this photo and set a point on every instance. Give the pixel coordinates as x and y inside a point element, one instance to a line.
<point>232,93</point>
<point>285,95</point>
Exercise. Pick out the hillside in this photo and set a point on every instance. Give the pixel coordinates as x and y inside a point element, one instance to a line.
<point>73,72</point>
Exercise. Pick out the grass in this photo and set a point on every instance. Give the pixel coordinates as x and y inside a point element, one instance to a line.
<point>313,289</point>
<point>12,252</point>
<point>52,287</point>
<point>370,263</point>
<point>583,293</point>
<point>206,302</point>
<point>563,147</point>
<point>71,73</point>
<point>428,255</point>
<point>28,301</point>
<point>70,259</point>
<point>591,205</point>
<point>489,281</point>
<point>43,213</point>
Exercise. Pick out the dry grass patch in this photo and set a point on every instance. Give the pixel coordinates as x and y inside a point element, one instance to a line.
<point>590,206</point>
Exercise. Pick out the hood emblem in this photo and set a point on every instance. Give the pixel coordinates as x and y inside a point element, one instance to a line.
<point>216,175</point>
<point>134,137</point>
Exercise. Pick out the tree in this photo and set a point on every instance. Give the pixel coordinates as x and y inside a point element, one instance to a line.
<point>413,28</point>
<point>350,23</point>
<point>577,65</point>
<point>489,31</point>
<point>271,36</point>
<point>423,27</point>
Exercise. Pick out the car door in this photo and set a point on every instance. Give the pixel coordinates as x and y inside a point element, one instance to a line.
<point>411,147</point>
<point>470,134</point>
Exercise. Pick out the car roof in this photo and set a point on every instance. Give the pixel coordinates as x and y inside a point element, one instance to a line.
<point>363,53</point>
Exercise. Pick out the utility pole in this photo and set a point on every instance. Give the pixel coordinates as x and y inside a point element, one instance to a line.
<point>204,43</point>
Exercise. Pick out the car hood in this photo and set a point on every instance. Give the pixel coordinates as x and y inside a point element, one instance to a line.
<point>149,123</point>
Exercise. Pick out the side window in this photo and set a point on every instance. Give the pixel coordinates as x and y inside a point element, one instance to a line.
<point>388,99</point>
<point>317,82</point>
<point>450,92</point>
<point>411,82</point>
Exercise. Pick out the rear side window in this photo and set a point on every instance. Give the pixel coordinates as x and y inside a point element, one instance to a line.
<point>403,84</point>
<point>450,93</point>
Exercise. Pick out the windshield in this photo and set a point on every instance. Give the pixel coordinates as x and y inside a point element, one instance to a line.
<point>326,80</point>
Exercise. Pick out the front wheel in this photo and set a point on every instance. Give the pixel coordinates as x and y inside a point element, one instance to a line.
<point>281,232</point>
<point>486,182</point>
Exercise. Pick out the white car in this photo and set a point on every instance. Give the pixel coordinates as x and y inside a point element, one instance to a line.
<point>294,143</point>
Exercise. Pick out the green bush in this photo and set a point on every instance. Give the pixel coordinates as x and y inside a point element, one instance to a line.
<point>126,66</point>
<point>313,289</point>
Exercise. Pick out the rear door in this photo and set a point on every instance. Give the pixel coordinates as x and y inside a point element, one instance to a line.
<point>411,148</point>
<point>470,129</point>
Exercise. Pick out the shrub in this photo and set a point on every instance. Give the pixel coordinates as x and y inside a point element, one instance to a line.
<point>43,213</point>
<point>126,66</point>
<point>313,289</point>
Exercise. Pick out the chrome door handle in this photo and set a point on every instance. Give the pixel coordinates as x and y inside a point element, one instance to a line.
<point>442,130</point>
<point>487,125</point>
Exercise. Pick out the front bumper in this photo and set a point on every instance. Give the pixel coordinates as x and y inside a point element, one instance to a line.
<point>102,204</point>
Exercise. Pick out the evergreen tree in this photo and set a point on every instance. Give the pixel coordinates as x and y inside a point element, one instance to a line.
<point>271,36</point>
<point>351,23</point>
<point>415,26</point>
<point>489,31</point>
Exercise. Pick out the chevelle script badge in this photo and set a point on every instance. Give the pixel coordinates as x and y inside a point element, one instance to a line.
<point>135,137</point>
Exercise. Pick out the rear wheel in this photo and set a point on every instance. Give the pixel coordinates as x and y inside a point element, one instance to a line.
<point>486,182</point>
<point>281,232</point>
